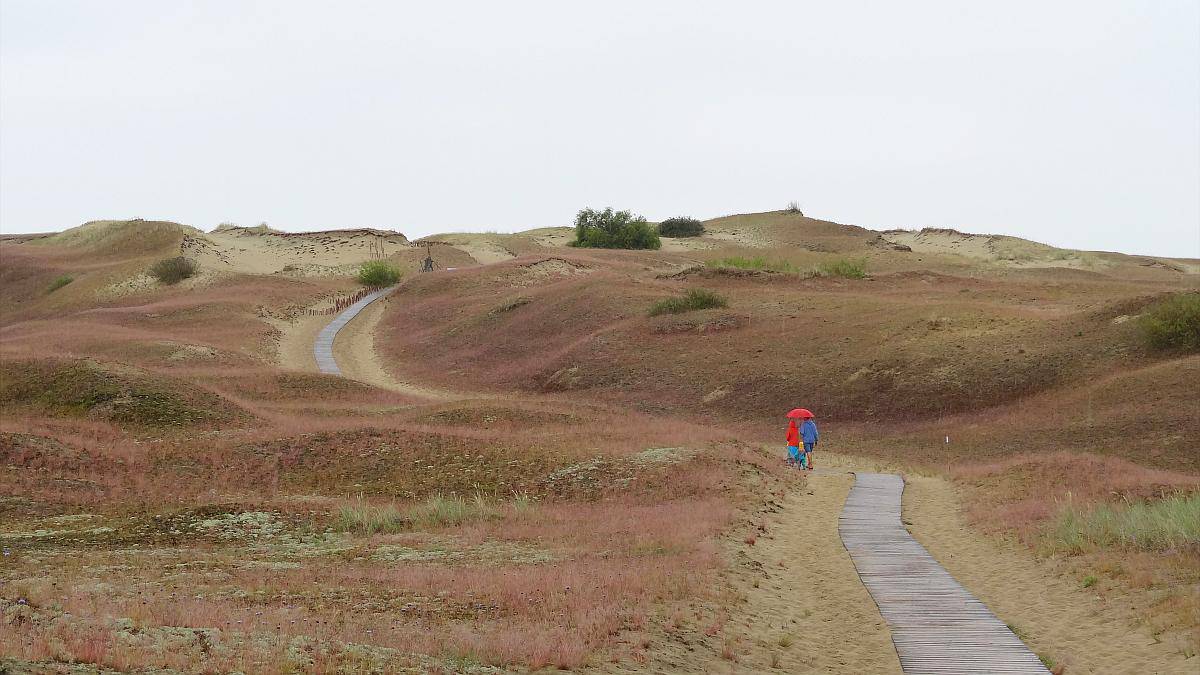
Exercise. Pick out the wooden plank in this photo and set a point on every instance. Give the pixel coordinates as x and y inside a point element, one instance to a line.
<point>937,625</point>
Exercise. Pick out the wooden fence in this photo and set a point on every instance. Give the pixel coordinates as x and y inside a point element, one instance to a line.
<point>340,304</point>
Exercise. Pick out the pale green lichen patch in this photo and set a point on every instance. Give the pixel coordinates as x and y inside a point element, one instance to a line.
<point>244,525</point>
<point>663,456</point>
<point>41,534</point>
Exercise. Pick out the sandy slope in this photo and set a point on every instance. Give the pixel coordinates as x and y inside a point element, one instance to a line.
<point>1055,616</point>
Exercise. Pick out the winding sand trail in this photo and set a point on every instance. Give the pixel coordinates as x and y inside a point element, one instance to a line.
<point>354,350</point>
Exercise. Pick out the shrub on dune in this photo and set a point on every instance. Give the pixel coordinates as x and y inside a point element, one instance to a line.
<point>173,270</point>
<point>681,226</point>
<point>1173,323</point>
<point>614,229</point>
<point>60,282</point>
<point>378,273</point>
<point>697,298</point>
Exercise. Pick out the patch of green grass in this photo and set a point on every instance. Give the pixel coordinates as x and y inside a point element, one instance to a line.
<point>843,267</point>
<point>1173,323</point>
<point>759,264</point>
<point>378,273</point>
<point>365,518</point>
<point>173,270</point>
<point>1046,661</point>
<point>434,512</point>
<point>1089,581</point>
<point>441,511</point>
<point>60,282</point>
<point>695,299</point>
<point>1169,523</point>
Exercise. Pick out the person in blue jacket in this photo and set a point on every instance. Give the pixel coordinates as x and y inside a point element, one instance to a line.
<point>809,435</point>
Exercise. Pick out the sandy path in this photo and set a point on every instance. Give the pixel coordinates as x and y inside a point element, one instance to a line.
<point>295,348</point>
<point>799,608</point>
<point>1054,614</point>
<point>355,352</point>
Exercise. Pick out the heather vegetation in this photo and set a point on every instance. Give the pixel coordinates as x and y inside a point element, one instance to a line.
<point>613,229</point>
<point>173,270</point>
<point>681,226</point>
<point>550,478</point>
<point>694,299</point>
<point>1173,323</point>
<point>378,273</point>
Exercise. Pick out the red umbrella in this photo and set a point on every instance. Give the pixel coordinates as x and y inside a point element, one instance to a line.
<point>800,413</point>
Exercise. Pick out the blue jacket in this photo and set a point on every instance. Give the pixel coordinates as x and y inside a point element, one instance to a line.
<point>808,431</point>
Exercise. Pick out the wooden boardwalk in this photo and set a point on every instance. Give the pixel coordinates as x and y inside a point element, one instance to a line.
<point>323,347</point>
<point>937,625</point>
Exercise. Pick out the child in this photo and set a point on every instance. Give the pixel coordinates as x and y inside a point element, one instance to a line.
<point>809,434</point>
<point>793,443</point>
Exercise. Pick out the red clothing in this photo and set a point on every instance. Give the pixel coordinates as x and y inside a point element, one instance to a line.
<point>793,439</point>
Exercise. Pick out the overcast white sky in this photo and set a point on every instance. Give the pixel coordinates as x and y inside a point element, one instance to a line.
<point>1072,123</point>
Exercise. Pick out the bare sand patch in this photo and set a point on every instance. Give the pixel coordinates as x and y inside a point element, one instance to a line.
<point>685,244</point>
<point>1051,612</point>
<point>296,336</point>
<point>260,250</point>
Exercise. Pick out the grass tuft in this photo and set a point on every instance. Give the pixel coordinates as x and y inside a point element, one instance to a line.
<point>758,264</point>
<point>365,518</point>
<point>697,298</point>
<point>435,511</point>
<point>1170,523</point>
<point>173,270</point>
<point>60,282</point>
<point>844,267</point>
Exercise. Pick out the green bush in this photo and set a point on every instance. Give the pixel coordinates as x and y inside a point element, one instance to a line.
<point>849,269</point>
<point>378,273</point>
<point>697,298</point>
<point>60,282</point>
<point>613,229</point>
<point>1173,323</point>
<point>173,270</point>
<point>681,226</point>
